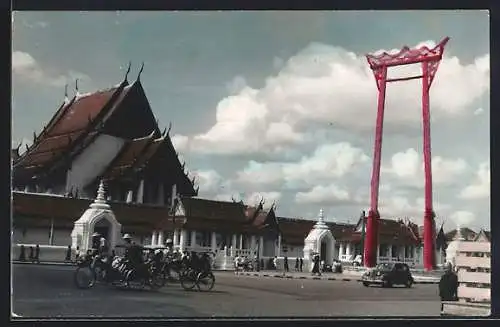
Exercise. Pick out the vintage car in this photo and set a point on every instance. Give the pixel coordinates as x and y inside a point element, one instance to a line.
<point>388,274</point>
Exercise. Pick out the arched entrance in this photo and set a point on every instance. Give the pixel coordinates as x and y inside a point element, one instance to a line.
<point>103,227</point>
<point>326,248</point>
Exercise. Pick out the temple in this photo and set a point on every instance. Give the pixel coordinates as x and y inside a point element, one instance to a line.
<point>109,143</point>
<point>111,134</point>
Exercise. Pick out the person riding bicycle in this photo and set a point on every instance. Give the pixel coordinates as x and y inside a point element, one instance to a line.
<point>133,253</point>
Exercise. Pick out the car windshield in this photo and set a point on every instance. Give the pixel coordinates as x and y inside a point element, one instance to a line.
<point>384,266</point>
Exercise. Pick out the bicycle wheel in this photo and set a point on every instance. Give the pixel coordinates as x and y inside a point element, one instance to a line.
<point>188,280</point>
<point>84,277</point>
<point>205,281</point>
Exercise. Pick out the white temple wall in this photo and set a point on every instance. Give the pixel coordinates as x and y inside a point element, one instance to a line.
<point>92,162</point>
<point>62,237</point>
<point>41,236</point>
<point>294,251</point>
<point>31,235</point>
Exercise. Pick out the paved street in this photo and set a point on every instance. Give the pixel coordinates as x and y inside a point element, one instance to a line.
<point>48,291</point>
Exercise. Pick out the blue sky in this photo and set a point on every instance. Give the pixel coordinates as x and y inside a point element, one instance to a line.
<point>284,84</point>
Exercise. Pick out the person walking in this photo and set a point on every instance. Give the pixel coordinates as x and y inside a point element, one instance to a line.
<point>301,264</point>
<point>275,263</point>
<point>448,285</point>
<point>285,264</point>
<point>297,264</point>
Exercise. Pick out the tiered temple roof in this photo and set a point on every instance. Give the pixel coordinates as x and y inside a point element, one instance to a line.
<point>122,111</point>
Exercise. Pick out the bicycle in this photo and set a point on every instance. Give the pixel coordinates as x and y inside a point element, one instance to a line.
<point>190,278</point>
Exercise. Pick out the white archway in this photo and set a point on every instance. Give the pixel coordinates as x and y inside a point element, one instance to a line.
<point>319,240</point>
<point>84,227</point>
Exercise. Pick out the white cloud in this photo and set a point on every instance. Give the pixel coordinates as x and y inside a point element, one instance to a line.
<point>480,188</point>
<point>269,197</point>
<point>180,143</point>
<point>236,85</point>
<point>328,195</point>
<point>403,206</point>
<point>327,161</point>
<point>24,66</point>
<point>322,84</point>
<point>210,182</point>
<point>478,111</point>
<point>463,218</point>
<point>408,166</point>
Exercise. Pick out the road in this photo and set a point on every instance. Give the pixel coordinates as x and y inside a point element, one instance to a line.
<point>48,291</point>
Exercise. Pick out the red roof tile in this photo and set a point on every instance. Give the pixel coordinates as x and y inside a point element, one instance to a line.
<point>77,115</point>
<point>133,150</point>
<point>210,209</point>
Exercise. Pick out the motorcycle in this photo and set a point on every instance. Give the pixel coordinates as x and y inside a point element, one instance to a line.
<point>92,269</point>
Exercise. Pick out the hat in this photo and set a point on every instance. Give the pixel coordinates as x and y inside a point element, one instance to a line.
<point>96,234</point>
<point>127,237</point>
<point>169,241</point>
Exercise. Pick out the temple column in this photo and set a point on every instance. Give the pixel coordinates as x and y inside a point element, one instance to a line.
<point>378,253</point>
<point>130,196</point>
<point>233,241</point>
<point>348,250</point>
<point>253,245</point>
<point>193,239</point>
<point>160,238</point>
<point>51,232</point>
<point>140,192</point>
<point>175,240</point>
<point>279,246</point>
<point>154,238</point>
<point>341,250</point>
<point>182,240</point>
<point>241,241</point>
<point>214,242</point>
<point>389,252</point>
<point>261,246</point>
<point>161,194</point>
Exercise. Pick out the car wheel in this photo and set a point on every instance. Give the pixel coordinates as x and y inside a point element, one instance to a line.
<point>409,283</point>
<point>387,284</point>
<point>366,284</point>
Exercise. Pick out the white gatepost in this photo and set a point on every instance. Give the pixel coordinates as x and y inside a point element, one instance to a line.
<point>81,235</point>
<point>182,240</point>
<point>348,251</point>
<point>160,238</point>
<point>214,242</point>
<point>253,245</point>
<point>154,238</point>
<point>176,237</point>
<point>193,240</point>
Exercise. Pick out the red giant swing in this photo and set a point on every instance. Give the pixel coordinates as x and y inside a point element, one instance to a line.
<point>429,59</point>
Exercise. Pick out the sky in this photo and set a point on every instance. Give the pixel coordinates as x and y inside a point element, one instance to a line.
<point>282,105</point>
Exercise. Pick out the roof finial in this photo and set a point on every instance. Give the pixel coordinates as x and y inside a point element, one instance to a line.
<point>169,127</point>
<point>100,201</point>
<point>140,71</point>
<point>76,86</point>
<point>164,132</point>
<point>321,216</point>
<point>66,92</point>
<point>128,70</point>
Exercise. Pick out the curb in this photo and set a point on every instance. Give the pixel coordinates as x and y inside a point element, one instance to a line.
<point>322,278</point>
